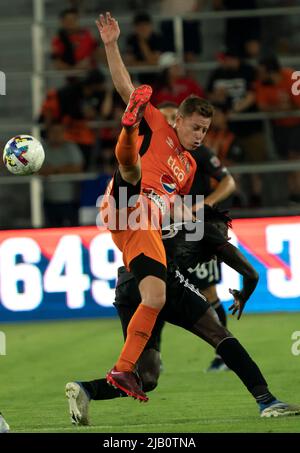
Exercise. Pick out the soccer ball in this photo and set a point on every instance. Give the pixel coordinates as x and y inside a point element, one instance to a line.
<point>23,155</point>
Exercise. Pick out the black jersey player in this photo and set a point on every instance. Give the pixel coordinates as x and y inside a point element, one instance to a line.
<point>187,308</point>
<point>213,180</point>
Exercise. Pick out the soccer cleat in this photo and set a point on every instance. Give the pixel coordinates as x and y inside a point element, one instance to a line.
<point>128,382</point>
<point>136,106</point>
<point>279,409</point>
<point>4,427</point>
<point>217,364</point>
<point>79,402</point>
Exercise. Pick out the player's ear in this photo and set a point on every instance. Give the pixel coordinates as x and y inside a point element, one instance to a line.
<point>178,119</point>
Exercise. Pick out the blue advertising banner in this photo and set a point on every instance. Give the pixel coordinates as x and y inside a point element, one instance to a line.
<point>71,272</point>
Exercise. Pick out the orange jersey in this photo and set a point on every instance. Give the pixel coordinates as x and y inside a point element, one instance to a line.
<point>166,167</point>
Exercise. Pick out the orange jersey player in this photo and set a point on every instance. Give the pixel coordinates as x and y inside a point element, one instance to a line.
<point>166,167</point>
<point>155,166</point>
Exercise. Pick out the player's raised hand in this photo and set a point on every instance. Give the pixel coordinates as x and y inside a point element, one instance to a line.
<point>238,304</point>
<point>108,28</point>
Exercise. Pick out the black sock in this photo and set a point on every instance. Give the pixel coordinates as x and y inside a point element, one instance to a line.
<point>239,361</point>
<point>218,306</point>
<point>99,389</point>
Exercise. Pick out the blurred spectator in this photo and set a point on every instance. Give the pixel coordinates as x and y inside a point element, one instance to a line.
<point>223,142</point>
<point>144,46</point>
<point>192,41</point>
<point>232,85</point>
<point>61,198</point>
<point>73,47</point>
<point>274,94</point>
<point>76,105</point>
<point>106,162</point>
<point>244,33</point>
<point>172,84</point>
<point>169,110</point>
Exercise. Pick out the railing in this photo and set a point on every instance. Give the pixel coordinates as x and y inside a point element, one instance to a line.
<point>38,27</point>
<point>36,183</point>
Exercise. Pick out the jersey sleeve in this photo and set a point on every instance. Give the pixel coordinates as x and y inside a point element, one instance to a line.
<point>209,164</point>
<point>154,118</point>
<point>213,237</point>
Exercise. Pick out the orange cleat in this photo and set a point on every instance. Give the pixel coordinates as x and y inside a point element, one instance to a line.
<point>128,382</point>
<point>136,106</point>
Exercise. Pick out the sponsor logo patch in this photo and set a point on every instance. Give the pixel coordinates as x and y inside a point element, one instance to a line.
<point>168,183</point>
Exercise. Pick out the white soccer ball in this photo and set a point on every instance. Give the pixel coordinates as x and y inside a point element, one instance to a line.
<point>23,155</point>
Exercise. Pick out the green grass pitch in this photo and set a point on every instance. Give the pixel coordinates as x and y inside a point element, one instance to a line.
<point>42,357</point>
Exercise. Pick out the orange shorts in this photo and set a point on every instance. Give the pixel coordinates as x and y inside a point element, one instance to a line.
<point>136,242</point>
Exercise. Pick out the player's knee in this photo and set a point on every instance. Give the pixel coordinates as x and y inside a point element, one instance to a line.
<point>149,381</point>
<point>153,292</point>
<point>218,334</point>
<point>157,302</point>
<point>154,299</point>
<point>209,328</point>
<point>131,174</point>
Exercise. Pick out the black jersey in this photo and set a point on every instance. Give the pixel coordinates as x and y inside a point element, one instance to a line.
<point>208,166</point>
<point>186,254</point>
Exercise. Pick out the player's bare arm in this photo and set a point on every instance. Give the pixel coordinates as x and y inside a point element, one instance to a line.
<point>231,256</point>
<point>109,31</point>
<point>223,190</point>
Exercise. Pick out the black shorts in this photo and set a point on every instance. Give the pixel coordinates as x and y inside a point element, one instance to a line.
<point>184,304</point>
<point>204,275</point>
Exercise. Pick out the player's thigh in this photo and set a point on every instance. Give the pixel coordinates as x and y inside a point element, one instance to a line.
<point>210,293</point>
<point>184,302</point>
<point>147,262</point>
<point>188,308</point>
<point>209,328</point>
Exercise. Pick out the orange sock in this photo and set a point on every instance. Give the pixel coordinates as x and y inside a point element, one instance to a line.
<point>126,148</point>
<point>138,333</point>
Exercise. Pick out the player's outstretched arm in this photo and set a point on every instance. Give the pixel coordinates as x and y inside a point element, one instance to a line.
<point>231,256</point>
<point>223,190</point>
<point>109,32</point>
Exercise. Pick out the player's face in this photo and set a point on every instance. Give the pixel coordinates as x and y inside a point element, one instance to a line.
<point>170,114</point>
<point>191,130</point>
<point>56,135</point>
<point>144,29</point>
<point>70,22</point>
